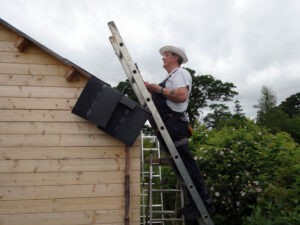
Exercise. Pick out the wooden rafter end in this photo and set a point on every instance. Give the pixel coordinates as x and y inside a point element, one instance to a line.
<point>71,74</point>
<point>21,43</point>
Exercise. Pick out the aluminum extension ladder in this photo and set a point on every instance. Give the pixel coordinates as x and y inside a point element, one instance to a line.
<point>145,100</point>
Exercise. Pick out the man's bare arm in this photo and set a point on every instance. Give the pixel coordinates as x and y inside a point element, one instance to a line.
<point>175,95</point>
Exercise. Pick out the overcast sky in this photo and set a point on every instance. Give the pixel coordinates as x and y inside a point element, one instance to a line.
<point>250,43</point>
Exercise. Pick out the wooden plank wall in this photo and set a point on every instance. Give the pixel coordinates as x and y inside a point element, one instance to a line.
<point>55,168</point>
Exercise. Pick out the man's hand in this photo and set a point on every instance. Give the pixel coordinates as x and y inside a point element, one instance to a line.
<point>175,95</point>
<point>152,88</point>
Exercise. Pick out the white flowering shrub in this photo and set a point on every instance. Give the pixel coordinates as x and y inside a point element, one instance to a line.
<point>240,164</point>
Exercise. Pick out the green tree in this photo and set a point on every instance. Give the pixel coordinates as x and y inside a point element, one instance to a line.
<point>246,168</point>
<point>221,116</point>
<point>220,112</point>
<point>285,117</point>
<point>266,103</point>
<point>292,126</point>
<point>291,105</point>
<point>275,119</point>
<point>206,91</point>
<point>291,122</point>
<point>125,88</point>
<point>238,110</point>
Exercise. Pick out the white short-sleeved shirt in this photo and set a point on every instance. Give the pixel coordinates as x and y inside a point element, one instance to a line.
<point>179,78</point>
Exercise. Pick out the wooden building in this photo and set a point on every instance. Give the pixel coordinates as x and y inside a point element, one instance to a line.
<point>55,167</point>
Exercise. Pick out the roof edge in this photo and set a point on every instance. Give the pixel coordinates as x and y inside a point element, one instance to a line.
<point>43,47</point>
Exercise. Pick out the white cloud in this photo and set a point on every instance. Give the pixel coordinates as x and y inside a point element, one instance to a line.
<point>247,42</point>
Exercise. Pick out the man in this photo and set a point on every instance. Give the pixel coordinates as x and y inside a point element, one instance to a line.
<point>171,100</point>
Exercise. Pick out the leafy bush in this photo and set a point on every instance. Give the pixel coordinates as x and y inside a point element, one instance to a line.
<point>245,167</point>
<point>279,203</point>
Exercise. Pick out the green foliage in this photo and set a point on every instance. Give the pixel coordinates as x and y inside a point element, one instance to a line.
<point>221,116</point>
<point>219,112</point>
<point>235,120</point>
<point>279,203</point>
<point>285,117</point>
<point>266,103</point>
<point>292,126</point>
<point>170,182</point>
<point>238,110</point>
<point>244,165</point>
<point>148,130</point>
<point>125,88</point>
<point>291,105</point>
<point>207,89</point>
<point>274,119</point>
<point>276,206</point>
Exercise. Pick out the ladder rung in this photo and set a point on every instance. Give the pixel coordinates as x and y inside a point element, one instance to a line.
<point>165,212</point>
<point>156,222</point>
<point>149,149</point>
<point>147,173</point>
<point>156,205</point>
<point>161,161</point>
<point>146,184</point>
<point>153,175</point>
<point>156,175</point>
<point>166,190</point>
<point>153,206</point>
<point>166,219</point>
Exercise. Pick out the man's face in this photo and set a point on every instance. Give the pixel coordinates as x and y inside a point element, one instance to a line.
<point>169,59</point>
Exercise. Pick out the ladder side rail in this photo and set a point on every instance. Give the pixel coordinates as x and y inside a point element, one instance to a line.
<point>128,64</point>
<point>143,181</point>
<point>160,180</point>
<point>128,69</point>
<point>149,215</point>
<point>159,171</point>
<point>144,97</point>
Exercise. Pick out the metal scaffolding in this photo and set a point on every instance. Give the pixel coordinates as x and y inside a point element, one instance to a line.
<point>154,197</point>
